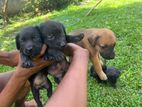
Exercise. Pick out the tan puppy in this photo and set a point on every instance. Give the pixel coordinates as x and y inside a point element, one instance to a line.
<point>98,42</point>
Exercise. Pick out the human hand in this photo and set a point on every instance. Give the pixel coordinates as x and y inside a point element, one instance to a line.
<point>27,72</point>
<point>14,56</point>
<point>38,64</point>
<point>73,49</point>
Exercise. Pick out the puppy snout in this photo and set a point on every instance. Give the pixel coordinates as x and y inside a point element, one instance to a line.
<point>29,49</point>
<point>108,56</point>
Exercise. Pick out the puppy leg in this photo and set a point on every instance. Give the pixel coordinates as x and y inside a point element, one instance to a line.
<point>36,96</point>
<point>48,86</point>
<point>94,55</point>
<point>97,65</point>
<point>56,55</point>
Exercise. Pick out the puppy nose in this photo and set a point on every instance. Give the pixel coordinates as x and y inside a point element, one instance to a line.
<point>62,44</point>
<point>29,48</point>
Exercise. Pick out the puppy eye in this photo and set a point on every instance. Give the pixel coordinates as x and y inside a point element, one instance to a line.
<point>51,37</point>
<point>22,40</point>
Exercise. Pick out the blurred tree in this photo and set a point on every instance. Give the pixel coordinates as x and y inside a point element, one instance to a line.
<point>40,6</point>
<point>5,12</point>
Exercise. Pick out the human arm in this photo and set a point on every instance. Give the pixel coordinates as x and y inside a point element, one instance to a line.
<point>18,80</point>
<point>72,91</point>
<point>9,58</point>
<point>12,58</point>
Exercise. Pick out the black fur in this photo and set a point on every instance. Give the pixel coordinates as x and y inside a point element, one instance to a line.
<point>46,84</point>
<point>58,70</point>
<point>54,35</point>
<point>29,41</point>
<point>112,74</point>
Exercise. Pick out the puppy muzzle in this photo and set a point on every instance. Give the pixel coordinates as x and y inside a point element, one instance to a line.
<point>108,56</point>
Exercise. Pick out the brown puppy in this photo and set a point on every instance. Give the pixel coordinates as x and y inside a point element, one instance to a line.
<point>98,42</point>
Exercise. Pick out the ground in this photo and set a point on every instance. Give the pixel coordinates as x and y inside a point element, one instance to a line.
<point>124,17</point>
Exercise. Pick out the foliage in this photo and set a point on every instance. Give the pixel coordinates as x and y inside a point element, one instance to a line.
<point>39,6</point>
<point>124,18</point>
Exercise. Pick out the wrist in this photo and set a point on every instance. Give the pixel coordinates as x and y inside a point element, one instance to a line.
<point>80,57</point>
<point>21,73</point>
<point>82,53</point>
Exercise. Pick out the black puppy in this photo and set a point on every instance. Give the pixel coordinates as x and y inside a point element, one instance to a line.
<point>112,74</point>
<point>56,38</point>
<point>29,42</point>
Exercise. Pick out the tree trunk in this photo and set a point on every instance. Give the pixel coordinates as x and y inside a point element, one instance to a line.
<point>5,12</point>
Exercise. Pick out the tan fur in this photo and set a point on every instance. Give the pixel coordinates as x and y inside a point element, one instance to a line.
<point>61,67</point>
<point>106,37</point>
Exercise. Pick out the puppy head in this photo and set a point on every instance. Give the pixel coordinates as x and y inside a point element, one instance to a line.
<point>29,42</point>
<point>113,74</point>
<point>95,75</point>
<point>105,44</point>
<point>54,35</point>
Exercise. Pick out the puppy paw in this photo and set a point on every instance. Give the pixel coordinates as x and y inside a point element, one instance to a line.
<point>27,64</point>
<point>103,76</point>
<point>59,56</point>
<point>49,57</point>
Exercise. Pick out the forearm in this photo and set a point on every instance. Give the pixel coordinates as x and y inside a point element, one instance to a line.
<point>72,91</point>
<point>9,93</point>
<point>9,58</point>
<point>17,81</point>
<point>4,78</point>
<point>4,58</point>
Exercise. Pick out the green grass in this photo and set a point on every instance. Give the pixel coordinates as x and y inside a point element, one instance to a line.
<point>124,17</point>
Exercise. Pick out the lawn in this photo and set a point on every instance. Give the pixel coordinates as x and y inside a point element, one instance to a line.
<point>124,17</point>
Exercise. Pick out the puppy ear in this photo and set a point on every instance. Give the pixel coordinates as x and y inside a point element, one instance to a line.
<point>74,38</point>
<point>17,41</point>
<point>39,31</point>
<point>94,41</point>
